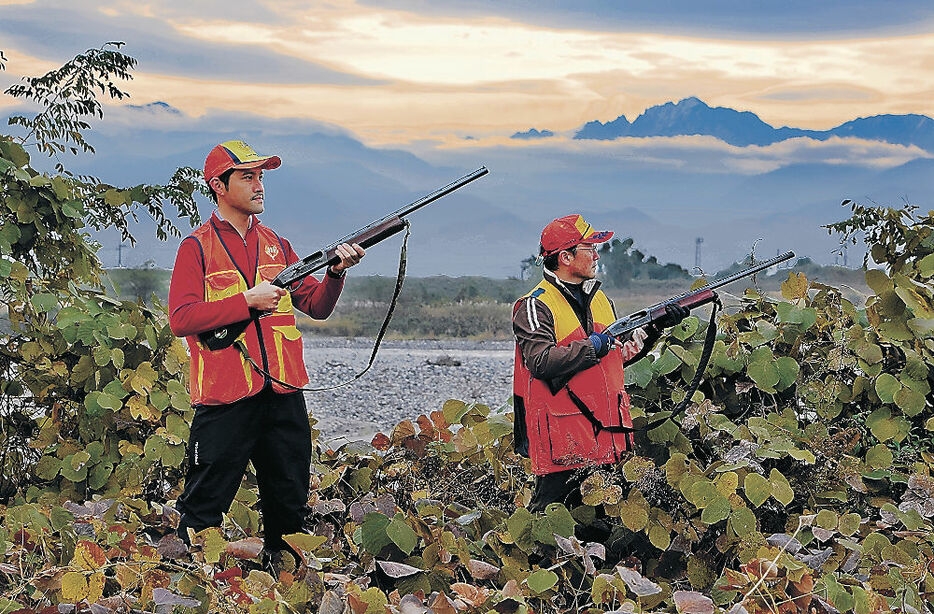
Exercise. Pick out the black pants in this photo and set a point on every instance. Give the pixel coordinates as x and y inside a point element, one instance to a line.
<point>558,487</point>
<point>269,429</point>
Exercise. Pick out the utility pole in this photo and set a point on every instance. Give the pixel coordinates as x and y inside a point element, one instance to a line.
<point>697,248</point>
<point>120,255</point>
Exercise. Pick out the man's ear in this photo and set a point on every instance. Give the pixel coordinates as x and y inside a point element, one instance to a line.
<point>217,185</point>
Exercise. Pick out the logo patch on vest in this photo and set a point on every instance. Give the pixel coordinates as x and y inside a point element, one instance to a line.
<point>272,251</point>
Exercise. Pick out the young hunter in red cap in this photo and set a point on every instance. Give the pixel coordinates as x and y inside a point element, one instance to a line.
<point>222,275</point>
<point>569,397</point>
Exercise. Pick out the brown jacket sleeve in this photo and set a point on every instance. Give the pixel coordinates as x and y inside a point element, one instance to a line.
<point>534,327</point>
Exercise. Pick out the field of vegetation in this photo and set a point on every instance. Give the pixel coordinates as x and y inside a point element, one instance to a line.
<point>798,480</point>
<point>443,307</point>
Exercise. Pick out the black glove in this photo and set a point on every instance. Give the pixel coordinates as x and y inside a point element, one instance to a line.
<point>601,343</point>
<point>674,314</point>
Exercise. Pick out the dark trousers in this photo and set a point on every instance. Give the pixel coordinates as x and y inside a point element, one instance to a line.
<point>269,429</point>
<point>558,487</point>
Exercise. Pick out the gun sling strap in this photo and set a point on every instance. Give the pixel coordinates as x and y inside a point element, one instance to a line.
<point>400,278</point>
<point>709,340</point>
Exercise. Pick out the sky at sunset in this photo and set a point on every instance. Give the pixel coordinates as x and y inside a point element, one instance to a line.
<point>398,72</point>
<point>371,103</point>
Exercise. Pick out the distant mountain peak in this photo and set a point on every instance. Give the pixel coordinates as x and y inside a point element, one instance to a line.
<point>692,116</point>
<point>155,107</point>
<point>532,133</point>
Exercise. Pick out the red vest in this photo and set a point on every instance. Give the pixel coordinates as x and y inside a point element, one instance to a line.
<point>224,376</point>
<point>560,436</point>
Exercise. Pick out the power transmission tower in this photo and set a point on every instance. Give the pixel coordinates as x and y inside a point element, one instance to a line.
<point>120,255</point>
<point>697,248</point>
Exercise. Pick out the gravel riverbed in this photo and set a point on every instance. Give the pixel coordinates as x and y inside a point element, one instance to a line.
<point>409,377</point>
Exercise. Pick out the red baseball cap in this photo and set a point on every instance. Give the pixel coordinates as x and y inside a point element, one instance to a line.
<point>235,155</point>
<point>568,231</point>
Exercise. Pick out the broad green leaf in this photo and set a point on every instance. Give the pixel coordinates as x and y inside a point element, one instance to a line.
<point>887,385</point>
<point>304,541</point>
<point>666,363</point>
<point>827,519</point>
<point>108,401</point>
<point>60,518</point>
<point>44,302</point>
<point>47,468</point>
<point>686,329</point>
<point>703,492</point>
<point>764,374</point>
<point>921,327</point>
<point>879,456</point>
<point>639,374</point>
<point>99,474</point>
<point>881,424</point>
<point>879,281</point>
<point>926,265</point>
<point>787,371</point>
<point>757,489</point>
<point>373,532</point>
<point>909,401</point>
<point>634,517</point>
<point>659,537</point>
<point>781,489</point>
<point>115,389</point>
<point>520,528</point>
<point>849,524</point>
<point>542,580</point>
<point>402,534</point>
<point>795,287</point>
<point>743,521</point>
<point>718,509</point>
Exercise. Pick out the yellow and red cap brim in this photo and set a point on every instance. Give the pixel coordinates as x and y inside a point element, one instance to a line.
<point>568,231</point>
<point>236,155</point>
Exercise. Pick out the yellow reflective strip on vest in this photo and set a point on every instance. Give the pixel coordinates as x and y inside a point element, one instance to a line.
<point>601,309</point>
<point>200,372</point>
<point>247,370</point>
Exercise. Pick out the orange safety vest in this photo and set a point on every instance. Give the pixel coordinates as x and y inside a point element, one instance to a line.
<point>560,435</point>
<point>224,376</point>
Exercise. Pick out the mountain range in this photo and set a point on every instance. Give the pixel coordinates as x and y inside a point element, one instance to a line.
<point>665,193</point>
<point>692,116</point>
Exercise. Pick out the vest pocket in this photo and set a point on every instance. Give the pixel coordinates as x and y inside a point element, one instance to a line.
<point>222,284</point>
<point>289,363</point>
<point>571,437</point>
<point>223,370</point>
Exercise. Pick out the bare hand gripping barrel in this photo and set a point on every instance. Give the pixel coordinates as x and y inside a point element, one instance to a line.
<point>369,235</point>
<point>692,299</point>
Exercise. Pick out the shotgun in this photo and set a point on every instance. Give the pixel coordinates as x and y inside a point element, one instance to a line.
<point>369,235</point>
<point>691,300</point>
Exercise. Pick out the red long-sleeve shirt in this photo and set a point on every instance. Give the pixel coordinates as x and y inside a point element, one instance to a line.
<point>189,314</point>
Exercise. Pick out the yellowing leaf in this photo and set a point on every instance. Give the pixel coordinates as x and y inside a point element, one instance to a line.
<point>95,587</point>
<point>88,556</point>
<point>795,287</point>
<point>74,587</point>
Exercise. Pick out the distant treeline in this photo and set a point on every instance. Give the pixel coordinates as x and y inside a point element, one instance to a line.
<point>481,307</point>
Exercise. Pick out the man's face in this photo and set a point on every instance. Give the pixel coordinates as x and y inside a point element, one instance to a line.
<point>244,192</point>
<point>583,263</point>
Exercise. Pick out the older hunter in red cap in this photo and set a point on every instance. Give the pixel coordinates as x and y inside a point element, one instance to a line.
<point>571,407</point>
<point>222,275</point>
